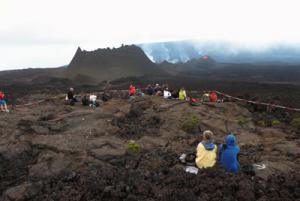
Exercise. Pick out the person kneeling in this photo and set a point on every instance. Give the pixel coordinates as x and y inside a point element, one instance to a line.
<point>228,155</point>
<point>206,151</point>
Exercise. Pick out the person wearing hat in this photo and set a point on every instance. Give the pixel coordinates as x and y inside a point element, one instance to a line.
<point>228,155</point>
<point>206,151</point>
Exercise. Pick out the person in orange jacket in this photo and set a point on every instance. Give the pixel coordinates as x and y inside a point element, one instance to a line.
<point>3,104</point>
<point>213,97</point>
<point>132,90</point>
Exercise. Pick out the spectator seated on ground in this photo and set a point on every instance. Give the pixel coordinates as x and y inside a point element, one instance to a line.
<point>132,90</point>
<point>3,104</point>
<point>175,94</point>
<point>167,94</point>
<point>213,97</point>
<point>228,154</point>
<point>93,101</point>
<point>158,90</point>
<point>182,94</point>
<point>206,151</point>
<point>149,90</point>
<point>85,100</point>
<point>194,102</point>
<point>206,97</point>
<point>70,97</point>
<point>140,93</point>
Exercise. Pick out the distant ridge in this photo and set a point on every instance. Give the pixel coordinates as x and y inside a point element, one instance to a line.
<point>110,64</point>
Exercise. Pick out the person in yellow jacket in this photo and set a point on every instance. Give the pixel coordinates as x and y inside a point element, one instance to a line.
<point>206,151</point>
<point>182,94</point>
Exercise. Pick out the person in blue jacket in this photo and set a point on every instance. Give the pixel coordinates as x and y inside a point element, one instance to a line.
<point>228,154</point>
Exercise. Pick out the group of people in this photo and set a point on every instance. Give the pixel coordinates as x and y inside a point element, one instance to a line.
<point>208,153</point>
<point>165,92</point>
<point>226,154</point>
<point>3,104</point>
<point>158,90</point>
<point>89,99</point>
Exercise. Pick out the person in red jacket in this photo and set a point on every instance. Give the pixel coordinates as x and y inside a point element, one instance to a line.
<point>132,90</point>
<point>3,103</point>
<point>213,97</point>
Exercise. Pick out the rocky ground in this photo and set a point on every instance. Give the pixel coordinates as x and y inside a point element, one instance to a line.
<point>52,151</point>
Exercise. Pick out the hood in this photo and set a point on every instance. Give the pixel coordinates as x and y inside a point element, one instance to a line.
<point>230,140</point>
<point>208,145</point>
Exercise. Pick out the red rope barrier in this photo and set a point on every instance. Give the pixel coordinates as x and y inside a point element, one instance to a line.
<point>259,103</point>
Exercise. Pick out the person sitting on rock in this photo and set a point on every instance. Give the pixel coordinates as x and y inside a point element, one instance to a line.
<point>167,94</point>
<point>182,94</point>
<point>132,90</point>
<point>71,97</point>
<point>213,97</point>
<point>175,94</point>
<point>206,151</point>
<point>93,99</point>
<point>194,102</point>
<point>206,97</point>
<point>158,90</point>
<point>228,154</point>
<point>140,93</point>
<point>85,100</point>
<point>3,104</point>
<point>149,90</point>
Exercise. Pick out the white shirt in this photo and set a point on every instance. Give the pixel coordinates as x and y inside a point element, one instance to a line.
<point>93,98</point>
<point>167,94</point>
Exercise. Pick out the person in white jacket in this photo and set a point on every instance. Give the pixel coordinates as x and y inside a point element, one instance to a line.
<point>167,93</point>
<point>93,99</point>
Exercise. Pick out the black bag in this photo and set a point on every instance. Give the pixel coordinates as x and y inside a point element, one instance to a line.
<point>85,101</point>
<point>106,97</point>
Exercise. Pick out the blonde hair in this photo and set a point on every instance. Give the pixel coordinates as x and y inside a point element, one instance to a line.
<point>208,136</point>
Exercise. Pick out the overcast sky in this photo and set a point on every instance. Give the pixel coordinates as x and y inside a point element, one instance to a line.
<point>46,33</point>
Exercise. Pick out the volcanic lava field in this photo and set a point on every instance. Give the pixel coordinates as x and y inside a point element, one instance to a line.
<point>129,151</point>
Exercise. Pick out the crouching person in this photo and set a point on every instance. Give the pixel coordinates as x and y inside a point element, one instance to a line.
<point>206,151</point>
<point>228,155</point>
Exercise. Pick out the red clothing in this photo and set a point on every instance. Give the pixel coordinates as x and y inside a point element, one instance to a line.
<point>1,96</point>
<point>132,90</point>
<point>213,97</point>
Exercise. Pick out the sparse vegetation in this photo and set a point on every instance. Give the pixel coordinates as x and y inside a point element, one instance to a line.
<point>242,121</point>
<point>261,123</point>
<point>133,146</point>
<point>190,124</point>
<point>296,122</point>
<point>275,122</point>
